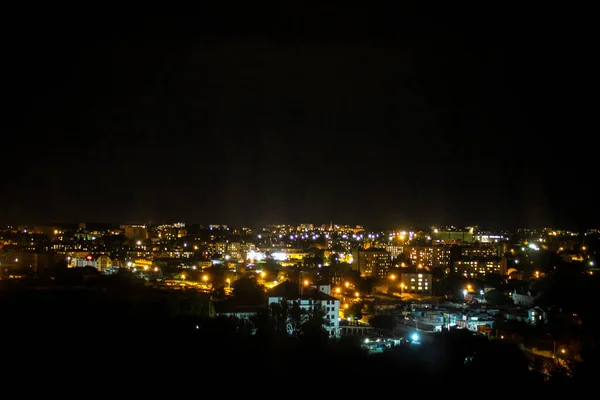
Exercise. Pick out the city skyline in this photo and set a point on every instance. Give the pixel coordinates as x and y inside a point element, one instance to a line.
<point>430,117</point>
<point>254,230</point>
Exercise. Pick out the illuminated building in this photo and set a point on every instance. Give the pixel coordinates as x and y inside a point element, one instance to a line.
<point>471,267</point>
<point>103,262</point>
<point>372,262</point>
<point>454,235</point>
<point>87,261</point>
<point>308,298</point>
<point>133,233</point>
<point>417,282</point>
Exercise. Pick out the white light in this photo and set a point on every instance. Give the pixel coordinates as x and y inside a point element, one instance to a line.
<point>415,337</point>
<point>279,256</point>
<point>255,255</point>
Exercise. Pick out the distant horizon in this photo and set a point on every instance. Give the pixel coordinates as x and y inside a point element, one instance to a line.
<point>316,225</point>
<point>362,115</point>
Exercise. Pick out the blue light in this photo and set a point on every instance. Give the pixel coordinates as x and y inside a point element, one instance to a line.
<point>415,337</point>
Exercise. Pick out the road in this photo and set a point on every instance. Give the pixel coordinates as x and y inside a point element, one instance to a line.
<point>406,332</point>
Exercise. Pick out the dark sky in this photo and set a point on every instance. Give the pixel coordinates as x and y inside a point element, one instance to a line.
<point>248,116</point>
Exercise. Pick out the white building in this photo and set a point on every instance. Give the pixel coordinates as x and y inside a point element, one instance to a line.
<point>101,263</point>
<point>79,262</point>
<point>307,298</point>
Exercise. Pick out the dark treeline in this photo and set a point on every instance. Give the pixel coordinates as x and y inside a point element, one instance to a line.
<point>119,326</point>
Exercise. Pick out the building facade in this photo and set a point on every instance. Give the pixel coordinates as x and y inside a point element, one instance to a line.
<point>308,298</point>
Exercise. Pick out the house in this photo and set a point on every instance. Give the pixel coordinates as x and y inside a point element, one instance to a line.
<point>536,316</point>
<point>309,297</point>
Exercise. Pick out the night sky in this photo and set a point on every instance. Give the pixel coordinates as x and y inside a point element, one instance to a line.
<point>378,117</point>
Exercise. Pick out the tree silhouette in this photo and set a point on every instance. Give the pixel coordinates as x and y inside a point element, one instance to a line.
<point>296,319</point>
<point>385,322</point>
<point>271,267</point>
<point>354,311</point>
<point>248,291</point>
<point>280,316</point>
<point>498,297</point>
<point>313,325</point>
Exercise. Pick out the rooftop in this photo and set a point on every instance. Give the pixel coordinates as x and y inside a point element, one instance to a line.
<point>233,307</point>
<point>291,290</point>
